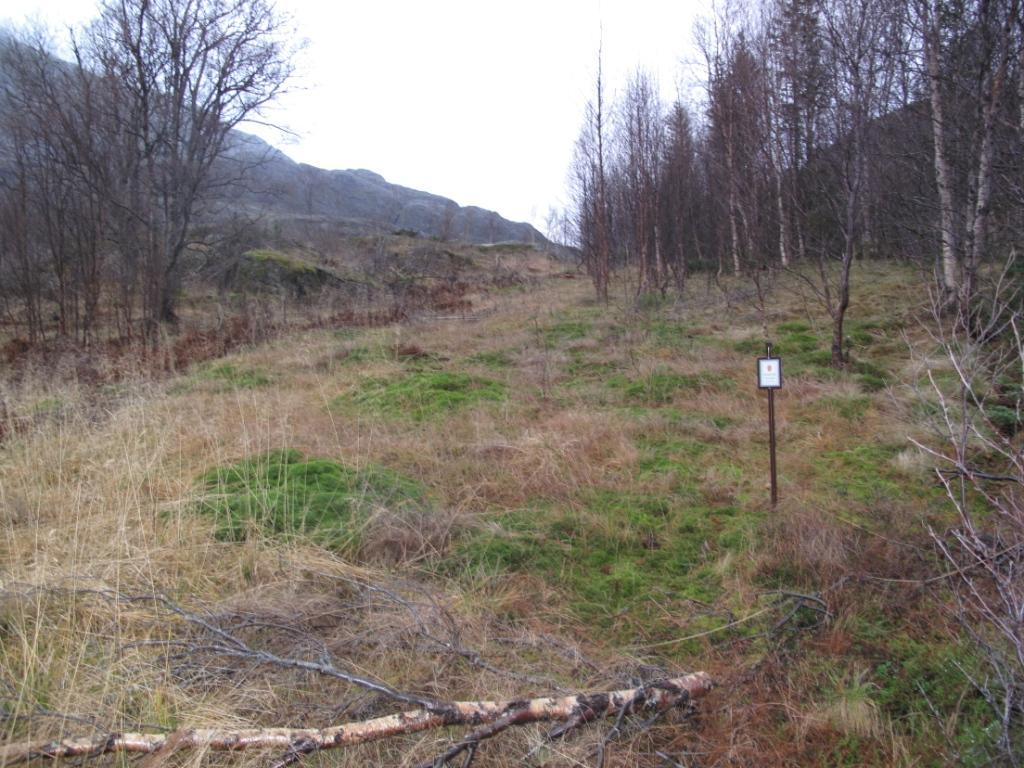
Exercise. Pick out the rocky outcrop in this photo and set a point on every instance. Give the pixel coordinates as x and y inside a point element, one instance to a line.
<point>272,272</point>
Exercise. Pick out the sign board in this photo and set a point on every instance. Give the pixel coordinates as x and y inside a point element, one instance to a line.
<point>769,373</point>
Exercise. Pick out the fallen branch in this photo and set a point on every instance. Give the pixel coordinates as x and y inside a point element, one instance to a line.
<point>656,697</point>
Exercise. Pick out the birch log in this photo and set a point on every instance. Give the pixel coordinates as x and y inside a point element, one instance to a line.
<point>656,696</point>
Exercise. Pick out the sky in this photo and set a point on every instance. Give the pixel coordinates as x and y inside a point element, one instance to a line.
<point>477,101</point>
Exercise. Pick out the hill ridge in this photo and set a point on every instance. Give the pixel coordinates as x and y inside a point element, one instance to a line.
<point>359,198</point>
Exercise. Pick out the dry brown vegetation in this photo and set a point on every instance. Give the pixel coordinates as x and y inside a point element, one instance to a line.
<point>596,517</point>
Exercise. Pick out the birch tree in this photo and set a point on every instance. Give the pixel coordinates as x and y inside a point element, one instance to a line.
<point>589,184</point>
<point>968,54</point>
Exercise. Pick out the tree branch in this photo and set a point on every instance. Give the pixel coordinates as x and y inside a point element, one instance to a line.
<point>657,697</point>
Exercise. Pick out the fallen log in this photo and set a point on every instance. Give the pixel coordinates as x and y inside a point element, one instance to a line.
<point>585,707</point>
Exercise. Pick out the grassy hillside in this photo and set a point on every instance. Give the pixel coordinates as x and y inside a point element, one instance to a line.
<point>558,495</point>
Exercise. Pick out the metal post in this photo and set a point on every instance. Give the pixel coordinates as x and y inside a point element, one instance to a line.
<point>771,440</point>
<point>771,443</point>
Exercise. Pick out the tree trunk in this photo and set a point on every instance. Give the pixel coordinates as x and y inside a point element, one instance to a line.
<point>991,94</point>
<point>653,697</point>
<point>950,260</point>
<point>843,289</point>
<point>734,233</point>
<point>784,236</point>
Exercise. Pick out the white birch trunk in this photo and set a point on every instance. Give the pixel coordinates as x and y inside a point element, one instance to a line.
<point>654,697</point>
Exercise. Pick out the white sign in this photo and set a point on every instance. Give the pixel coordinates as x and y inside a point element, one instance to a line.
<point>769,373</point>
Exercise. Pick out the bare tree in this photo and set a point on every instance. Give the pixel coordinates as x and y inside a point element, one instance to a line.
<point>50,132</point>
<point>968,54</point>
<point>590,191</point>
<point>23,272</point>
<point>116,154</point>
<point>717,44</point>
<point>187,73</point>
<point>982,469</point>
<point>861,42</point>
<point>794,98</point>
<point>680,191</point>
<point>640,148</point>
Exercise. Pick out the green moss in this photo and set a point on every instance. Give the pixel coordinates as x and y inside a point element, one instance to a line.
<point>612,554</point>
<point>861,334</point>
<point>918,675</point>
<point>1006,420</point>
<point>423,394</point>
<point>361,355</point>
<point>871,383</point>
<point>48,406</point>
<point>675,456</point>
<point>282,260</point>
<point>793,326</point>
<point>863,473</point>
<point>797,344</point>
<point>806,352</point>
<point>871,377</point>
<point>582,369</point>
<point>566,330</point>
<point>282,493</point>
<point>751,346</point>
<point>850,408</point>
<point>497,360</point>
<point>674,335</point>
<point>660,387</point>
<point>228,376</point>
<point>803,351</point>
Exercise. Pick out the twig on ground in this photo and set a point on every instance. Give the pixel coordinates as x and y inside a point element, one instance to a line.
<point>452,645</point>
<point>670,760</point>
<point>609,736</point>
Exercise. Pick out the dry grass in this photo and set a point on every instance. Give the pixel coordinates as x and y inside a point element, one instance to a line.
<point>97,491</point>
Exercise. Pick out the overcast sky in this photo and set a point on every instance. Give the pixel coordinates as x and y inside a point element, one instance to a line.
<point>477,101</point>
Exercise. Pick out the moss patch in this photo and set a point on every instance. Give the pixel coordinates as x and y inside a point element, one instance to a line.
<point>612,553</point>
<point>806,351</point>
<point>1006,420</point>
<point>566,330</point>
<point>849,408</point>
<point>497,360</point>
<point>422,395</point>
<point>673,335</point>
<point>282,493</point>
<point>920,674</point>
<point>863,473</point>
<point>266,256</point>
<point>660,387</point>
<point>676,457</point>
<point>227,376</point>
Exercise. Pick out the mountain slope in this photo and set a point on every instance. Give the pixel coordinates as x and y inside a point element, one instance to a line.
<point>277,186</point>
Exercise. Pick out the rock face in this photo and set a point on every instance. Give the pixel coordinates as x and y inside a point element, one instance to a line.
<point>276,186</point>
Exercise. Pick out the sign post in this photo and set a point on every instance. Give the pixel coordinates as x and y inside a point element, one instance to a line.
<point>769,376</point>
